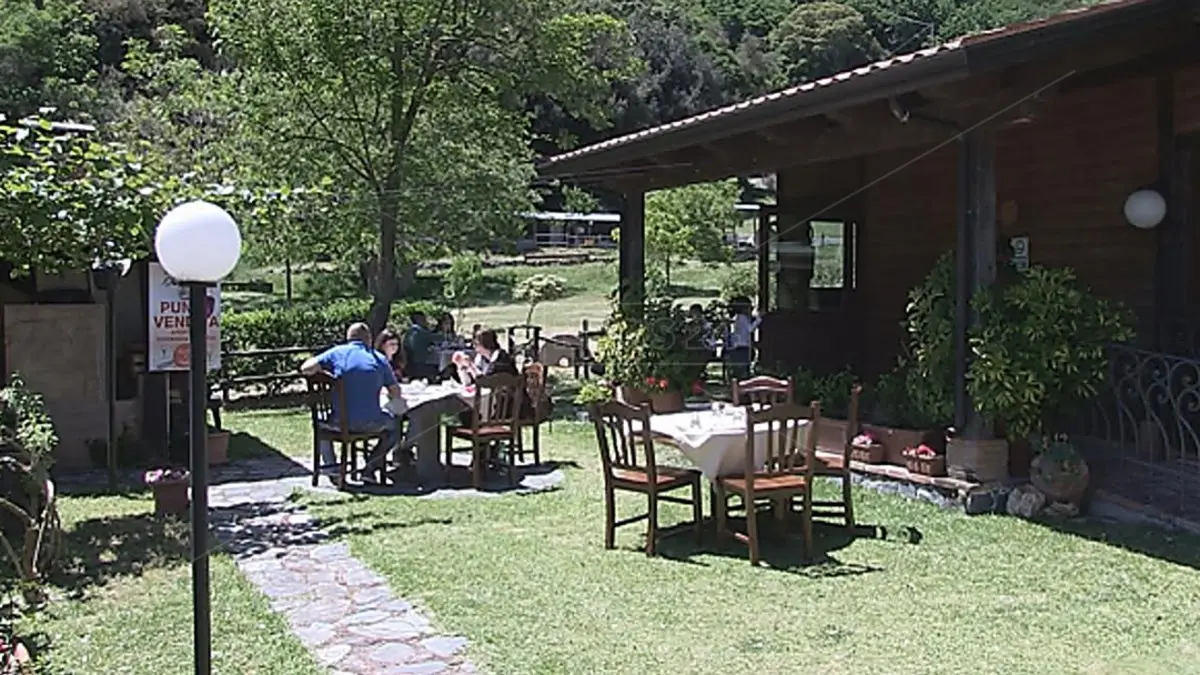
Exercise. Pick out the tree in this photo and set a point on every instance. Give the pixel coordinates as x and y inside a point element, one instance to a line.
<point>537,289</point>
<point>462,280</point>
<point>690,221</point>
<point>68,200</point>
<point>394,94</point>
<point>822,38</point>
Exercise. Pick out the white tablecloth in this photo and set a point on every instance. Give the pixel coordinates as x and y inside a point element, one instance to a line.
<point>715,443</point>
<point>413,395</point>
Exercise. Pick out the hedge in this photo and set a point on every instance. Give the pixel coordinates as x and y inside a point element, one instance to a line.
<point>308,326</point>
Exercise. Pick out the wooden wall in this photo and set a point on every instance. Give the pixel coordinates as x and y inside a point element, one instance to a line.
<point>1067,174</point>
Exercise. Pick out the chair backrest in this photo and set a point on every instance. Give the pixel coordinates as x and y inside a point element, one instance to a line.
<point>851,424</point>
<point>323,390</point>
<point>786,433</point>
<point>762,389</point>
<point>505,393</point>
<point>623,434</point>
<point>535,389</point>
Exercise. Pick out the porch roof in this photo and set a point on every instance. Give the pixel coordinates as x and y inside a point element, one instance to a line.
<point>808,123</point>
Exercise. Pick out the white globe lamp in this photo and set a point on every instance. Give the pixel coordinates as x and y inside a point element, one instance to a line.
<point>1145,209</point>
<point>198,242</point>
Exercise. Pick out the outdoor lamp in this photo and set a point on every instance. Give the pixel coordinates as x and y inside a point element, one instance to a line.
<point>1145,209</point>
<point>198,243</point>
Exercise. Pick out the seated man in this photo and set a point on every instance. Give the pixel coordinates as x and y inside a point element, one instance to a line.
<point>363,372</point>
<point>418,340</point>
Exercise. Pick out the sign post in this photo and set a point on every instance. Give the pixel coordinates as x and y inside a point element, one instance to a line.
<point>168,348</point>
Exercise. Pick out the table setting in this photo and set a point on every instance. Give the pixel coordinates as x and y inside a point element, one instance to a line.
<point>714,439</point>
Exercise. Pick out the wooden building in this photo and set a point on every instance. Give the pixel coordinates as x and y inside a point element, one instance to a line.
<point>1035,132</point>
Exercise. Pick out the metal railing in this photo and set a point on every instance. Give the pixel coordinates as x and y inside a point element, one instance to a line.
<point>1141,434</point>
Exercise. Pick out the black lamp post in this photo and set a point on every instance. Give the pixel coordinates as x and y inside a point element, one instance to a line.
<point>198,244</point>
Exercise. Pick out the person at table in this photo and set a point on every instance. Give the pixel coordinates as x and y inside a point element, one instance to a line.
<point>388,344</point>
<point>363,372</point>
<point>490,359</point>
<point>418,341</point>
<point>446,331</point>
<point>739,339</point>
<point>702,331</point>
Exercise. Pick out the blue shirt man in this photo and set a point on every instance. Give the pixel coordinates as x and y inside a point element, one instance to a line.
<point>363,372</point>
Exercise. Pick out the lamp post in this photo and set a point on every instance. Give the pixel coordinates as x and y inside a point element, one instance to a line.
<point>198,244</point>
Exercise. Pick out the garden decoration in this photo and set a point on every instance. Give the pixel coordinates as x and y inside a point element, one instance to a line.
<point>1059,471</point>
<point>170,488</point>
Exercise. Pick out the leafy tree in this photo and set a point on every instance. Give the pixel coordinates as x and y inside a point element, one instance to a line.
<point>537,289</point>
<point>462,280</point>
<point>822,38</point>
<point>395,94</point>
<point>47,58</point>
<point>690,222</point>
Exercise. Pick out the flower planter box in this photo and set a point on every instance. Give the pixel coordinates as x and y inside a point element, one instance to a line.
<point>631,396</point>
<point>934,466</point>
<point>666,402</point>
<point>870,454</point>
<point>981,461</point>
<point>171,497</point>
<point>218,447</point>
<point>831,434</point>
<point>894,441</point>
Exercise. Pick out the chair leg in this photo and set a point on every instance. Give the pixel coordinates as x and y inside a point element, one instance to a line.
<point>610,518</point>
<point>698,509</point>
<point>720,506</point>
<point>341,480</point>
<point>316,472</point>
<point>449,450</point>
<point>848,501</point>
<point>652,525</point>
<point>806,525</point>
<point>478,458</point>
<point>752,530</point>
<point>537,445</point>
<point>512,466</point>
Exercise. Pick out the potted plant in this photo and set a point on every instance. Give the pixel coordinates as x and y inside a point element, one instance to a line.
<point>170,488</point>
<point>650,357</point>
<point>1059,471</point>
<point>664,398</point>
<point>866,448</point>
<point>925,460</point>
<point>217,446</point>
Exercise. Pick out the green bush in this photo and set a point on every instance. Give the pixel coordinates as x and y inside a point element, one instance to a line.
<point>305,326</point>
<point>739,281</point>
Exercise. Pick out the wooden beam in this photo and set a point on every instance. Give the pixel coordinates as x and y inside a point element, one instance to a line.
<point>631,251</point>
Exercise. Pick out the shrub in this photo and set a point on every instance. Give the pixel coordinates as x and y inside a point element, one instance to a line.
<point>537,289</point>
<point>307,326</point>
<point>739,281</point>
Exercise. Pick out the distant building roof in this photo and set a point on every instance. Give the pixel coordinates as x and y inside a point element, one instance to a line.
<point>576,217</point>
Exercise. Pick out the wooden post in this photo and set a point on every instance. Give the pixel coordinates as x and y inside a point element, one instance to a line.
<point>1172,240</point>
<point>762,243</point>
<point>632,251</point>
<point>975,262</point>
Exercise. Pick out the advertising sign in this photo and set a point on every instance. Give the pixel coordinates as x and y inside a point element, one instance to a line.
<point>168,345</point>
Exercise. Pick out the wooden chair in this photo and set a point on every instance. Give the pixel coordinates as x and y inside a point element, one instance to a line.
<point>500,423</point>
<point>787,470</point>
<point>535,393</point>
<point>322,390</point>
<point>763,390</point>
<point>837,465</point>
<point>621,431</point>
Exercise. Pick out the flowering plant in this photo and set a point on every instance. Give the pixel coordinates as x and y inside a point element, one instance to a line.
<point>922,451</point>
<point>653,385</point>
<point>165,476</point>
<point>864,440</point>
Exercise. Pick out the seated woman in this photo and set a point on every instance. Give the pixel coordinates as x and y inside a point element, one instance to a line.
<point>445,328</point>
<point>490,359</point>
<point>388,344</point>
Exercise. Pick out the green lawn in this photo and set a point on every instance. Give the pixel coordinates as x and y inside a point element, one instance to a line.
<point>123,603</point>
<point>528,581</point>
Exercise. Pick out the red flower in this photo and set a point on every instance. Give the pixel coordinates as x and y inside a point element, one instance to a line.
<point>650,381</point>
<point>662,383</point>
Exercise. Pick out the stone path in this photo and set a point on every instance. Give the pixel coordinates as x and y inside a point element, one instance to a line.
<point>341,610</point>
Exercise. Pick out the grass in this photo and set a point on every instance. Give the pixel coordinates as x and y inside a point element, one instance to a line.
<point>528,581</point>
<point>123,602</point>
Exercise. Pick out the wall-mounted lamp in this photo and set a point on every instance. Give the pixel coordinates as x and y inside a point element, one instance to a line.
<point>1145,209</point>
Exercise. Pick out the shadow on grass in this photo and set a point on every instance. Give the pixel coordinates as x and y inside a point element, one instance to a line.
<point>782,552</point>
<point>1176,547</point>
<point>100,549</point>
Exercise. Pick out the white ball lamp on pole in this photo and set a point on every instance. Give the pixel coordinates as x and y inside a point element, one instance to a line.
<point>1145,209</point>
<point>198,244</point>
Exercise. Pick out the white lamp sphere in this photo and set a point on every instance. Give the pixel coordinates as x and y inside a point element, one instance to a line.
<point>198,241</point>
<point>1145,209</point>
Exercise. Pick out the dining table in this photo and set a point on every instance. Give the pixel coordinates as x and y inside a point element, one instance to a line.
<point>713,440</point>
<point>424,404</point>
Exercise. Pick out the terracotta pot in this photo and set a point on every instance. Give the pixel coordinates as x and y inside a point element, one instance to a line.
<point>218,447</point>
<point>666,402</point>
<point>895,441</point>
<point>1063,479</point>
<point>632,396</point>
<point>171,497</point>
<point>926,467</point>
<point>871,454</point>
<point>981,461</point>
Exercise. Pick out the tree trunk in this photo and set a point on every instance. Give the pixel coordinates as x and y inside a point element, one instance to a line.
<point>385,272</point>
